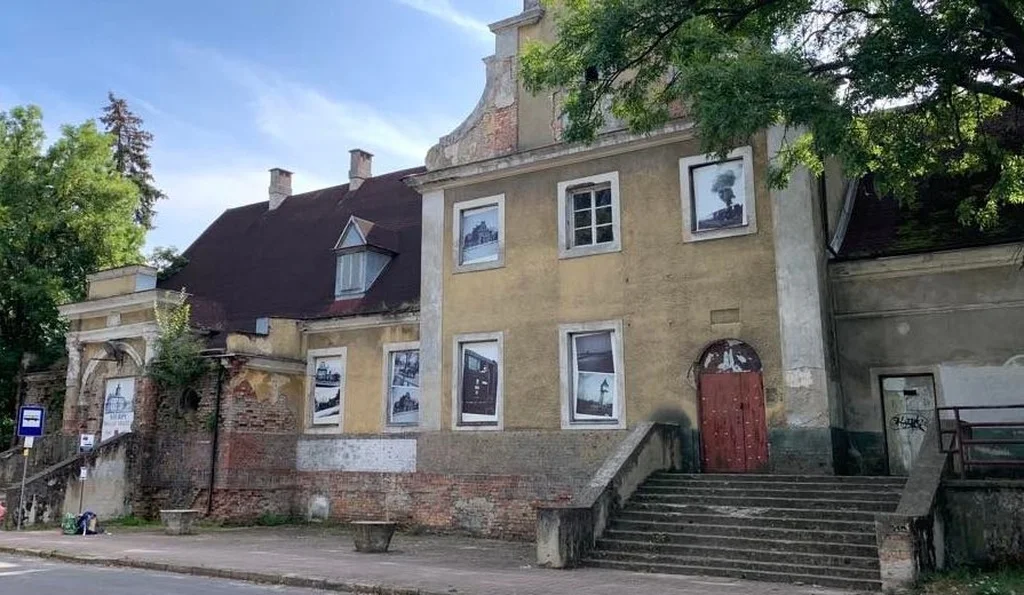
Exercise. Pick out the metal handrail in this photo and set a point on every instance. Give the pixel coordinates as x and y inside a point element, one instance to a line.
<point>961,435</point>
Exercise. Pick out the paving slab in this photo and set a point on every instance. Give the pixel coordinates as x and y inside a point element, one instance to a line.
<point>324,558</point>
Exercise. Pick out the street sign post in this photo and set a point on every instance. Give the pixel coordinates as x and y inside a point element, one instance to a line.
<point>31,420</point>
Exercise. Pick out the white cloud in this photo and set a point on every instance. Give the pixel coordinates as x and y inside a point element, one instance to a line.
<point>297,127</point>
<point>307,123</point>
<point>443,9</point>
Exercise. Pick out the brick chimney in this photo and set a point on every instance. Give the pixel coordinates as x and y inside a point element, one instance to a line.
<point>360,168</point>
<point>280,186</point>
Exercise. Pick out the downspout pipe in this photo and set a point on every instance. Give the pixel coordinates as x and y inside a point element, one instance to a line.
<point>216,437</point>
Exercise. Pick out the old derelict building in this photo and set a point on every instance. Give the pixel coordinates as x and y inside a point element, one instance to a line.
<point>453,345</point>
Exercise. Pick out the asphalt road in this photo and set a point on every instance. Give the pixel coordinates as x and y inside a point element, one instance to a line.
<point>33,576</point>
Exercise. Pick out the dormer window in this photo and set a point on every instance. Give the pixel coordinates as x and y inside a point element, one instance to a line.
<point>363,252</point>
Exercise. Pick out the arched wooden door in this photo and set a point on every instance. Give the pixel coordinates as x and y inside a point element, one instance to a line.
<point>733,429</point>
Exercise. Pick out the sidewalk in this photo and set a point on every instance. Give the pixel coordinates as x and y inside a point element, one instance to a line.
<point>323,558</point>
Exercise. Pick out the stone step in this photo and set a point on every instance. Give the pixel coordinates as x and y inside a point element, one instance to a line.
<point>761,492</point>
<point>740,564</point>
<point>777,573</point>
<point>767,518</point>
<point>853,534</point>
<point>694,536</point>
<point>766,478</point>
<point>752,513</point>
<point>873,487</point>
<point>824,504</point>
<point>738,557</point>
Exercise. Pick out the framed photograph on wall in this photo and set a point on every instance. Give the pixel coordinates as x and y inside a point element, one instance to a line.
<point>403,387</point>
<point>478,384</point>
<point>477,234</point>
<point>594,383</point>
<point>718,195</point>
<point>327,391</point>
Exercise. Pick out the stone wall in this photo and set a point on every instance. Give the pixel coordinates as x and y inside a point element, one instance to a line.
<point>110,489</point>
<point>48,450</point>
<point>984,522</point>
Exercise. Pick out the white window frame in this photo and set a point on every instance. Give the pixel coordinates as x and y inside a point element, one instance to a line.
<point>566,380</point>
<point>467,205</point>
<point>749,198</point>
<point>388,349</point>
<point>363,253</point>
<point>311,356</point>
<point>457,342</point>
<point>565,247</point>
<point>339,293</point>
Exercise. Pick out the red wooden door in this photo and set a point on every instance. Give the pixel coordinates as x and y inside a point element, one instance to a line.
<point>733,432</point>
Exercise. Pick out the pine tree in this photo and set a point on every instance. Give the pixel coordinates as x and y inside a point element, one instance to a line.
<point>131,155</point>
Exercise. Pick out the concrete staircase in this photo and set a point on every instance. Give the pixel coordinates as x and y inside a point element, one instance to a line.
<point>815,530</point>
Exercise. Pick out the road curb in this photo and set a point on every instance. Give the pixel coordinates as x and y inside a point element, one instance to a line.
<point>263,578</point>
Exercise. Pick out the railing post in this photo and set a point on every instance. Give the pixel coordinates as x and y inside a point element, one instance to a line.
<point>961,447</point>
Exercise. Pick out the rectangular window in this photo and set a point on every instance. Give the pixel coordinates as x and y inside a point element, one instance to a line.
<point>357,271</point>
<point>591,370</point>
<point>591,216</point>
<point>478,234</point>
<point>588,211</point>
<point>350,272</point>
<point>403,387</point>
<point>478,381</point>
<point>328,379</point>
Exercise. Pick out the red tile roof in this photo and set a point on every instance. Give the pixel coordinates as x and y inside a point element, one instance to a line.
<point>253,262</point>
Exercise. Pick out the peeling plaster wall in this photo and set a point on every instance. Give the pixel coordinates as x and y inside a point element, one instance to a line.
<point>283,340</point>
<point>958,315</point>
<point>539,115</point>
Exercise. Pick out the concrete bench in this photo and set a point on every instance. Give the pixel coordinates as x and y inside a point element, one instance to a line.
<point>179,522</point>
<point>372,537</point>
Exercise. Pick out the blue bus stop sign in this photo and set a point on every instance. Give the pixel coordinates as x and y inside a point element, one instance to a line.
<point>30,420</point>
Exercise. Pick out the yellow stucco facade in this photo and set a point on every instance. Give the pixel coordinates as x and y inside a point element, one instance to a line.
<point>665,291</point>
<point>364,371</point>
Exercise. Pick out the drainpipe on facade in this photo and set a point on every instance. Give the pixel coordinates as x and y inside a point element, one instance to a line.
<point>216,435</point>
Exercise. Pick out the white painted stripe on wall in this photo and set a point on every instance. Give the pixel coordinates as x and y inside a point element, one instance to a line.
<point>357,454</point>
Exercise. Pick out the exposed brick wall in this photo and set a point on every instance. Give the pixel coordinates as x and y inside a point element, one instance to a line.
<point>500,506</point>
<point>486,486</point>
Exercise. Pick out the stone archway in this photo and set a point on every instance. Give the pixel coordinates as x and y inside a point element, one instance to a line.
<point>731,410</point>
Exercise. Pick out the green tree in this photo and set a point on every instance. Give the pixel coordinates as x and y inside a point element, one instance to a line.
<point>167,261</point>
<point>131,154</point>
<point>901,88</point>
<point>65,212</point>
<point>179,365</point>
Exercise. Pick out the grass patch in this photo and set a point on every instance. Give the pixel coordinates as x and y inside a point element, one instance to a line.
<point>1004,581</point>
<point>268,519</point>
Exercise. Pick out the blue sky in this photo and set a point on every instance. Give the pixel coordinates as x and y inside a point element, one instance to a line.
<point>231,88</point>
